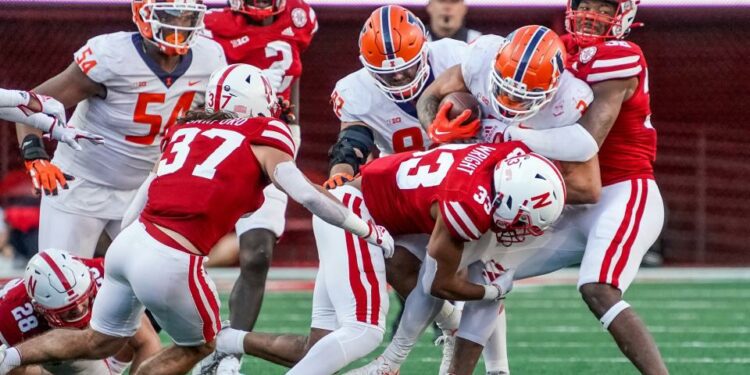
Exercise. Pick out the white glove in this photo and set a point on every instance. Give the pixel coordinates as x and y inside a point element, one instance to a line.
<point>504,283</point>
<point>50,106</point>
<point>69,135</point>
<point>379,236</point>
<point>275,77</point>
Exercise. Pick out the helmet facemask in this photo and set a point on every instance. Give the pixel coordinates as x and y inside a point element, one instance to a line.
<point>390,78</point>
<point>589,27</point>
<point>76,314</point>
<point>174,26</point>
<point>258,10</point>
<point>516,229</point>
<point>513,101</point>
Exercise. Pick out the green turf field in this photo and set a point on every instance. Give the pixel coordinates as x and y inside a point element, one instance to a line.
<point>701,328</point>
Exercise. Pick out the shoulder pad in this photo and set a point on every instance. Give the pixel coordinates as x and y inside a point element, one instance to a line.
<point>355,94</point>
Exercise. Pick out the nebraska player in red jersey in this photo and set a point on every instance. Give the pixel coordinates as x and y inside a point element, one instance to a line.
<point>213,169</point>
<point>57,291</point>
<point>454,194</point>
<point>271,35</point>
<point>630,214</point>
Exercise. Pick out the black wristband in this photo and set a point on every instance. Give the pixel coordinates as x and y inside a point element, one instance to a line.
<point>32,148</point>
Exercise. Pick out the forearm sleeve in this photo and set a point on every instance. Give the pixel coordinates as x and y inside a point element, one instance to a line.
<point>13,98</point>
<point>39,121</point>
<point>567,143</point>
<point>291,180</point>
<point>138,202</point>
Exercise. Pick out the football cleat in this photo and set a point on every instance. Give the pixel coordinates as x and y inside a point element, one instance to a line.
<point>379,366</point>
<point>229,365</point>
<point>448,341</point>
<point>497,373</point>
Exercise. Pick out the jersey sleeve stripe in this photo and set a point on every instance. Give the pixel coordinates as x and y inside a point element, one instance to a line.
<point>465,219</point>
<point>625,73</point>
<point>615,62</point>
<point>453,224</point>
<point>279,137</point>
<point>280,127</point>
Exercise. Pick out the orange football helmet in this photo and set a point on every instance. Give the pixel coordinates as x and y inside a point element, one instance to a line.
<point>393,48</point>
<point>170,24</point>
<point>590,26</point>
<point>527,71</point>
<point>258,9</point>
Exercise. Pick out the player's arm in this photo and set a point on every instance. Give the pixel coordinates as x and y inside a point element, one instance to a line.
<point>442,261</point>
<point>603,111</point>
<point>582,181</point>
<point>281,170</point>
<point>451,80</point>
<point>354,145</point>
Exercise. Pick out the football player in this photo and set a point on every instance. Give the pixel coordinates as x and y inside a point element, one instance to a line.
<point>213,170</point>
<point>130,87</point>
<point>630,214</point>
<point>43,113</point>
<point>376,106</point>
<point>454,194</point>
<point>57,291</point>
<point>271,35</point>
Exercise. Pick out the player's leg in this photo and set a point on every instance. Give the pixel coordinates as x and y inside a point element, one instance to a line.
<point>478,323</point>
<point>626,222</point>
<point>257,236</point>
<point>495,351</point>
<point>60,229</point>
<point>173,285</point>
<point>339,348</point>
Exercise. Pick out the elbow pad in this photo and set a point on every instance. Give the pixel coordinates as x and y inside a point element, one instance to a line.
<point>353,147</point>
<point>568,143</point>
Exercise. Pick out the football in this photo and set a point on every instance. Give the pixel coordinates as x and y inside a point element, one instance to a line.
<point>461,102</point>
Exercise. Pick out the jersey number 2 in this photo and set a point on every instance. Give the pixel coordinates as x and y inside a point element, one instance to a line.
<point>181,149</point>
<point>282,48</point>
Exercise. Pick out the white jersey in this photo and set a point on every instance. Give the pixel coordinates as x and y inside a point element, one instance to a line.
<point>395,125</point>
<point>566,107</point>
<point>141,101</point>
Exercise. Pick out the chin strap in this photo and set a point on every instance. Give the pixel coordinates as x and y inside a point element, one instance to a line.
<point>612,313</point>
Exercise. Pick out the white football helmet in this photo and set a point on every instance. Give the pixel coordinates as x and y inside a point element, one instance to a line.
<point>529,197</point>
<point>243,90</point>
<point>61,288</point>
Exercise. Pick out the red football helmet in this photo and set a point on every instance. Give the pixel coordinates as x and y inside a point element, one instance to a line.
<point>589,25</point>
<point>61,288</point>
<point>393,48</point>
<point>172,25</point>
<point>258,9</point>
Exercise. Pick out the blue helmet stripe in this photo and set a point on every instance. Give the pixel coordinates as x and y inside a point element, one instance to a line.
<point>385,25</point>
<point>524,63</point>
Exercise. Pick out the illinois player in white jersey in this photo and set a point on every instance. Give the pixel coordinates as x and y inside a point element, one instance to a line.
<point>129,87</point>
<point>377,108</point>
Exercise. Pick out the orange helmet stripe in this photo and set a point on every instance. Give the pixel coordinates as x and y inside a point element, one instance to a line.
<point>529,52</point>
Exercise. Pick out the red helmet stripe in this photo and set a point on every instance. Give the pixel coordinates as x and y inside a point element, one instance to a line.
<point>220,85</point>
<point>58,272</point>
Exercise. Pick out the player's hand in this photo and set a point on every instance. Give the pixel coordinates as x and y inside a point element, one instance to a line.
<point>46,176</point>
<point>379,236</point>
<point>287,111</point>
<point>4,367</point>
<point>444,130</point>
<point>70,135</point>
<point>47,105</point>
<point>338,179</point>
<point>275,77</point>
<point>504,283</point>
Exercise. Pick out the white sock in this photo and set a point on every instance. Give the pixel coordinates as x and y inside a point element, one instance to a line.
<point>231,341</point>
<point>12,360</point>
<point>495,352</point>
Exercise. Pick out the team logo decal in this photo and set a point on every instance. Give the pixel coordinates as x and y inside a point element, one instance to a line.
<point>299,17</point>
<point>587,54</point>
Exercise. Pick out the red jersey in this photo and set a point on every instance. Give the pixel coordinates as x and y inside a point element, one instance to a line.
<point>629,150</point>
<point>276,46</point>
<point>208,176</point>
<point>399,190</point>
<point>18,319</point>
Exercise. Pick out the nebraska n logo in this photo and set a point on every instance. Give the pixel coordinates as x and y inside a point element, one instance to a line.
<point>541,200</point>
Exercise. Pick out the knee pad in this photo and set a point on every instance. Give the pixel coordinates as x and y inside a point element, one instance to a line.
<point>612,313</point>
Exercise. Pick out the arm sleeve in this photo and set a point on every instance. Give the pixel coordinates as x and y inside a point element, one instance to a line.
<point>39,121</point>
<point>579,146</point>
<point>291,180</point>
<point>13,98</point>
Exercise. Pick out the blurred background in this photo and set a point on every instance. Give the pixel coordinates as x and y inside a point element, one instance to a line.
<point>697,53</point>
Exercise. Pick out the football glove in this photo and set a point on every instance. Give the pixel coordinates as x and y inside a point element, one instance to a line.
<point>44,175</point>
<point>444,130</point>
<point>70,135</point>
<point>379,236</point>
<point>504,283</point>
<point>49,105</point>
<point>286,109</point>
<point>338,179</point>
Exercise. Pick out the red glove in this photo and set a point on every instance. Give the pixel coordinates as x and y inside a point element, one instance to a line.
<point>338,179</point>
<point>444,130</point>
